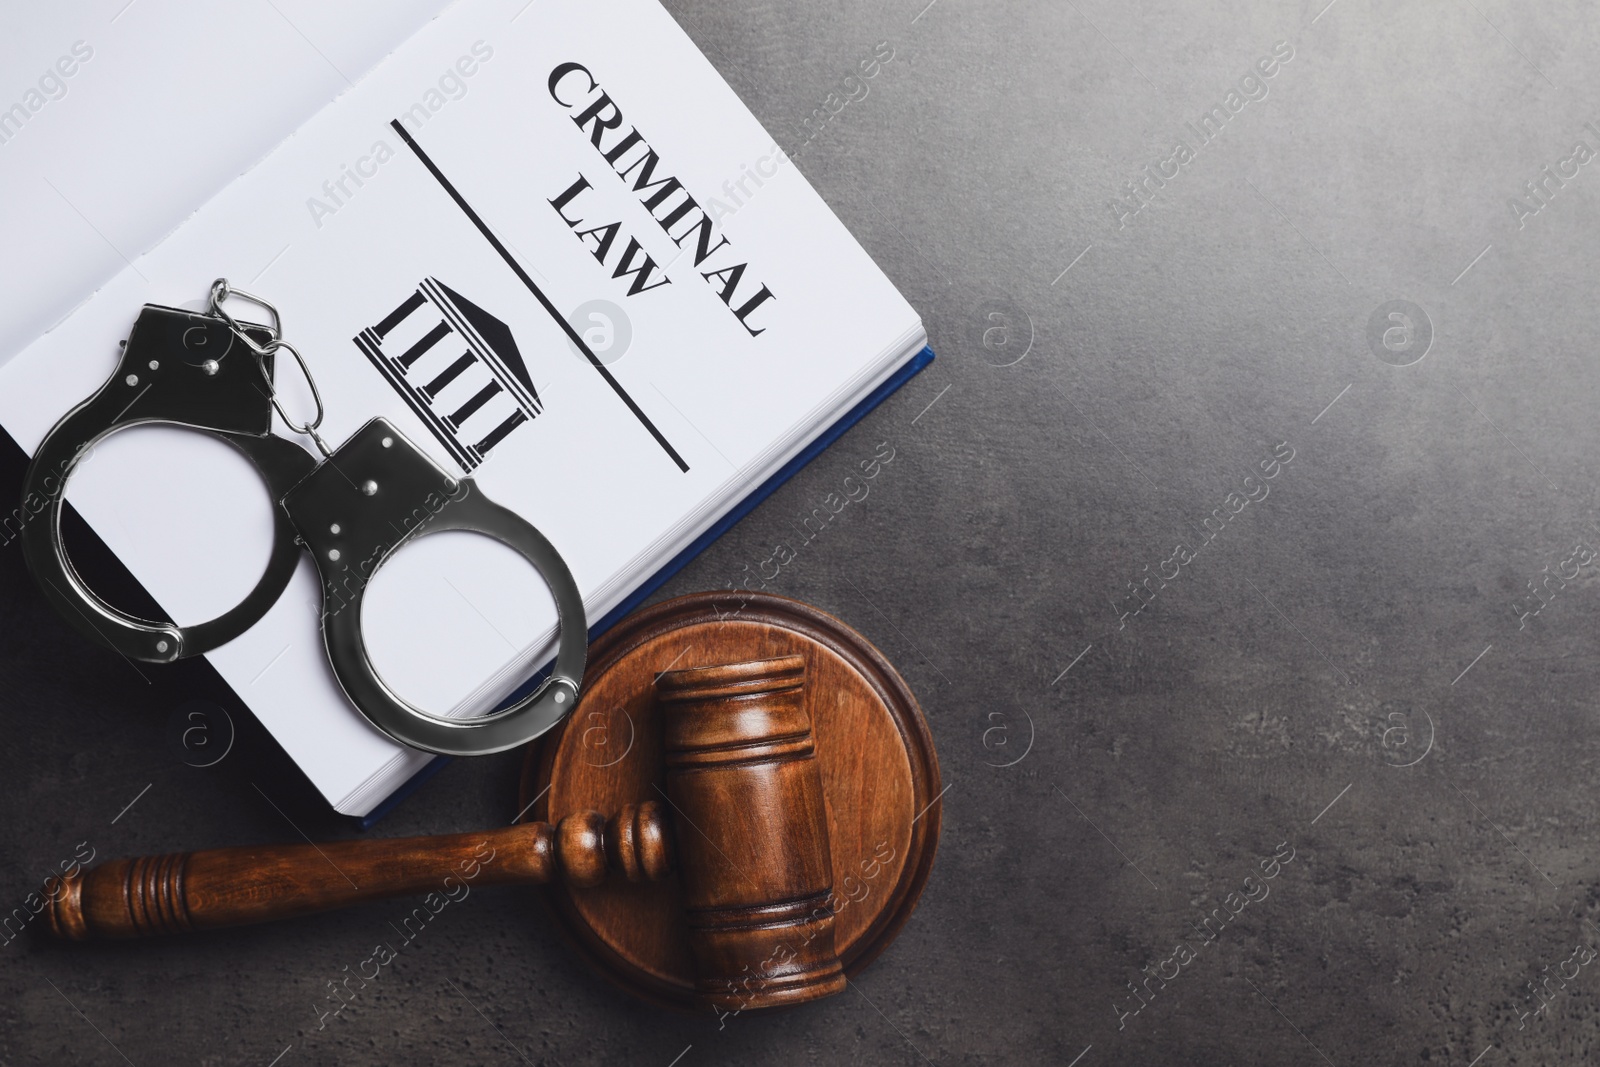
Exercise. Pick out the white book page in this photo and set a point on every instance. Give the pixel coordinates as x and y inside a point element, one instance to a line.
<point>119,119</point>
<point>368,253</point>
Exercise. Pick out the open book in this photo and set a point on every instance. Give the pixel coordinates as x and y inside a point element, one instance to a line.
<point>509,167</point>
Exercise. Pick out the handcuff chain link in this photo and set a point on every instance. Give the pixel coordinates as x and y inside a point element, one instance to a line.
<point>221,291</point>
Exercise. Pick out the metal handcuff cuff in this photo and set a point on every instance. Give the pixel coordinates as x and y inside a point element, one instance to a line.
<point>353,510</point>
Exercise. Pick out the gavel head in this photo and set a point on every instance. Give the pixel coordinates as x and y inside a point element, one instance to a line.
<point>751,833</point>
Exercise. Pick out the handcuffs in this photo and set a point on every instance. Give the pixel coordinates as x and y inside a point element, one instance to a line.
<point>352,510</point>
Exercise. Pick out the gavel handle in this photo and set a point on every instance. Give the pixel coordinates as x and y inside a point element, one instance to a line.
<point>236,886</point>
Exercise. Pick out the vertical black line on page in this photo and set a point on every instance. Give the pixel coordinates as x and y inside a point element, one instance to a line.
<point>538,293</point>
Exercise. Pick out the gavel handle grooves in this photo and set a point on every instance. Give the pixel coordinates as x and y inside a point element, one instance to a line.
<point>256,883</point>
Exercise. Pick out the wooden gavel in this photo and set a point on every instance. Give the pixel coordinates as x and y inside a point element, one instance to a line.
<point>747,831</point>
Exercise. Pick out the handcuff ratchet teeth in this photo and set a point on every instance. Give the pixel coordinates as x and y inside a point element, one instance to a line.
<point>353,511</point>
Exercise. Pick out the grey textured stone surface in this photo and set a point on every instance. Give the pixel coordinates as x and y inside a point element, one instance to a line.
<point>1343,672</point>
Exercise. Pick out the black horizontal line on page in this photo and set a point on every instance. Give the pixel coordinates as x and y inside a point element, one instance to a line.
<point>538,293</point>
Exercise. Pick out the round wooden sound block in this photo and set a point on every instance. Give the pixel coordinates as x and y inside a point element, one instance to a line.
<point>880,778</point>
